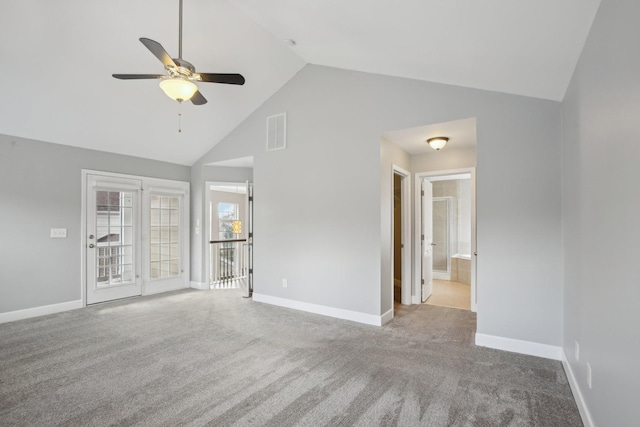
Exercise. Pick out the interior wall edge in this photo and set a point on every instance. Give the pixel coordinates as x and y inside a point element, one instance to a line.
<point>585,414</point>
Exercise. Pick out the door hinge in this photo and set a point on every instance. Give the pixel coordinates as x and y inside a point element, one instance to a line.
<point>422,193</point>
<point>422,282</point>
<point>422,237</point>
<point>251,198</point>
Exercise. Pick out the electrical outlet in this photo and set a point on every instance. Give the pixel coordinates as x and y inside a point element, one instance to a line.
<point>284,283</point>
<point>577,351</point>
<point>589,375</point>
<point>58,233</point>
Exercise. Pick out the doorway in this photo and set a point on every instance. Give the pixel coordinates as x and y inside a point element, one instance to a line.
<point>401,236</point>
<point>230,236</point>
<point>446,251</point>
<point>113,230</point>
<point>136,236</point>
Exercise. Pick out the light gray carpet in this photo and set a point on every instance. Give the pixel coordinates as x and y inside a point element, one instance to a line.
<point>213,358</point>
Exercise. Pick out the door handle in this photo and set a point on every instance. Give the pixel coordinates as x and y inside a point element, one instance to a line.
<point>91,246</point>
<point>432,244</point>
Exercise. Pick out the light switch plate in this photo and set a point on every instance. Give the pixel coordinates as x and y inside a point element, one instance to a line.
<point>58,233</point>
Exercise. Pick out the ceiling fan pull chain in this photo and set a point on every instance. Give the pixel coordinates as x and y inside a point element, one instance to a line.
<point>179,116</point>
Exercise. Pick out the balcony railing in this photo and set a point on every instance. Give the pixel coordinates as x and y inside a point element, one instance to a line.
<point>229,267</point>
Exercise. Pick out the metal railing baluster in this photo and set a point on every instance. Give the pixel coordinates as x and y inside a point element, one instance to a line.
<point>228,263</point>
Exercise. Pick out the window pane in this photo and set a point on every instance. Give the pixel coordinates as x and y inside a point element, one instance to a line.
<point>175,217</point>
<point>175,251</point>
<point>126,199</point>
<point>155,270</point>
<point>155,235</point>
<point>127,235</point>
<point>175,234</point>
<point>102,199</point>
<point>173,268</point>
<point>155,253</point>
<point>126,215</point>
<point>155,217</point>
<point>165,217</point>
<point>155,202</point>
<point>165,237</point>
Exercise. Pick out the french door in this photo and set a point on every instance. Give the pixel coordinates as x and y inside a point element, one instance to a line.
<point>113,234</point>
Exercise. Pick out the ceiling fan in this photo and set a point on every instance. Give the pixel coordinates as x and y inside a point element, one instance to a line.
<point>178,82</point>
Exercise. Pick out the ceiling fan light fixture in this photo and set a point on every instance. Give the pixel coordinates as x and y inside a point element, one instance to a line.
<point>437,142</point>
<point>178,89</point>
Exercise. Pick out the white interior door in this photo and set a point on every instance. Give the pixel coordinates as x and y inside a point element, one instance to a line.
<point>427,239</point>
<point>113,250</point>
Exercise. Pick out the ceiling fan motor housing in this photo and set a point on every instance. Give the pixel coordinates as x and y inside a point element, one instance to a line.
<point>183,69</point>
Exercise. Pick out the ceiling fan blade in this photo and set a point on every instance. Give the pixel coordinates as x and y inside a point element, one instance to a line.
<point>231,79</point>
<point>137,76</point>
<point>198,99</point>
<point>159,52</point>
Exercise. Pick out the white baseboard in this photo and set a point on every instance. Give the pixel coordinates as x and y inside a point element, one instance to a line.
<point>386,317</point>
<point>200,285</point>
<point>577,393</point>
<point>160,286</point>
<point>39,311</point>
<point>519,346</point>
<point>355,316</point>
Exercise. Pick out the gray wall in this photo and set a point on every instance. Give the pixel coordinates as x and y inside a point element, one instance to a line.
<point>319,204</point>
<point>40,189</point>
<point>601,158</point>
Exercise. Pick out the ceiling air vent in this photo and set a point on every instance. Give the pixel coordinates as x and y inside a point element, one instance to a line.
<point>277,132</point>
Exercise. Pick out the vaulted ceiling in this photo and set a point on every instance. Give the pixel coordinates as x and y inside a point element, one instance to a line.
<point>57,58</point>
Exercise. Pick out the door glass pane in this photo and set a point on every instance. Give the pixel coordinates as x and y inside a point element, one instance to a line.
<point>127,216</point>
<point>114,237</point>
<point>165,236</point>
<point>441,235</point>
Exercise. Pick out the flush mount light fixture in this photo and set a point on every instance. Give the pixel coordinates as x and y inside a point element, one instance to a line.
<point>178,88</point>
<point>437,142</point>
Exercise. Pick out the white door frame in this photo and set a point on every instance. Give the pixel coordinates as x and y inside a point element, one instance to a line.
<point>419,176</point>
<point>406,234</point>
<point>206,229</point>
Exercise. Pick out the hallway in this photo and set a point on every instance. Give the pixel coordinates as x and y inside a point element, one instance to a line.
<point>450,294</point>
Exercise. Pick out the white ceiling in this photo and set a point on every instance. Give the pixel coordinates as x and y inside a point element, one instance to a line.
<point>461,134</point>
<point>57,58</point>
